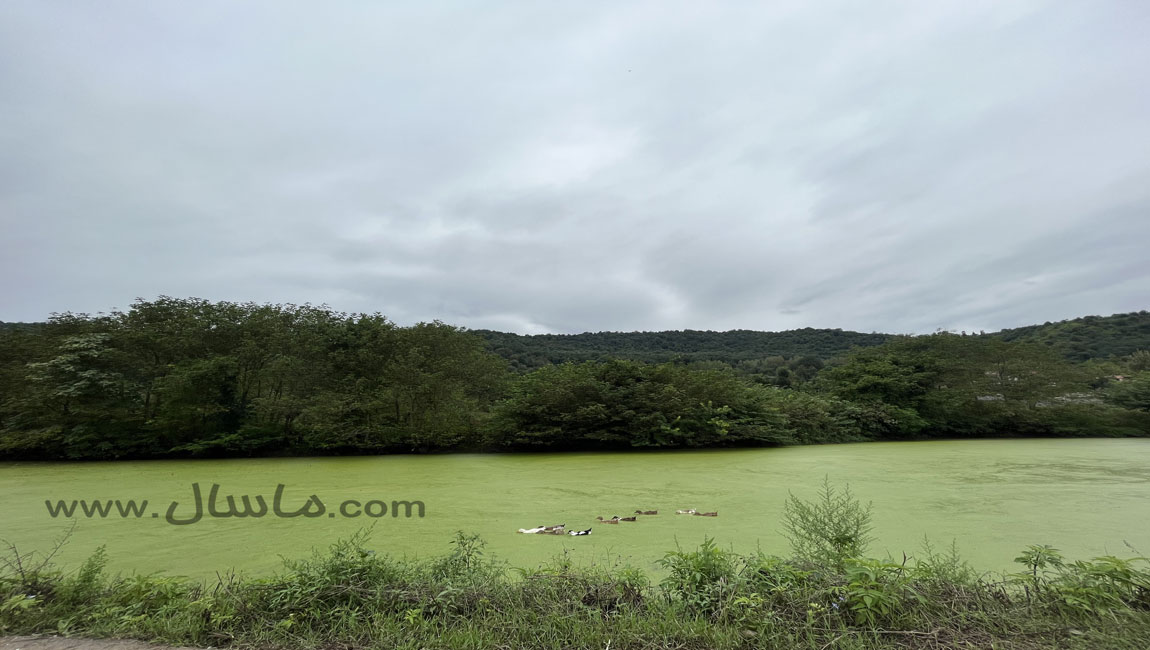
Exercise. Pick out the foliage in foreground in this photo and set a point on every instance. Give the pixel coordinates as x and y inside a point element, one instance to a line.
<point>353,597</point>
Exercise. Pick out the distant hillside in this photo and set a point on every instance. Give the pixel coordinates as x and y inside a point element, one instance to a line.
<point>1089,337</point>
<point>1080,339</point>
<point>533,351</point>
<point>12,327</point>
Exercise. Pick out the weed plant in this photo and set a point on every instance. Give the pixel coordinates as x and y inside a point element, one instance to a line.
<point>828,594</point>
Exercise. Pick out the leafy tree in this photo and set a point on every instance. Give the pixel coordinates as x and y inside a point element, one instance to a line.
<point>1133,393</point>
<point>185,376</point>
<point>628,404</point>
<point>1139,361</point>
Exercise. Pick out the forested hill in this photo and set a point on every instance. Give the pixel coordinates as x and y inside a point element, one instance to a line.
<point>19,326</point>
<point>534,351</point>
<point>1080,339</point>
<point>1089,337</point>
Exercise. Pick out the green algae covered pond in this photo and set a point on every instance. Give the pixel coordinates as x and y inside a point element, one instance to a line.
<point>993,497</point>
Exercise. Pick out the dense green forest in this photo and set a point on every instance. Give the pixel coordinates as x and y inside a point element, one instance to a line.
<point>1089,337</point>
<point>526,352</point>
<point>187,377</point>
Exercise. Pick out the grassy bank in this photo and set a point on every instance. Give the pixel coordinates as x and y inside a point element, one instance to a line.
<point>827,595</point>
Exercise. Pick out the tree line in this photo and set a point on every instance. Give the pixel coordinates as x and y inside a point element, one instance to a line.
<point>1089,337</point>
<point>187,377</point>
<point>527,352</point>
<point>1080,339</point>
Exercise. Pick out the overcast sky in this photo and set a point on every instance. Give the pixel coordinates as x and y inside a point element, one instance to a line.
<point>581,166</point>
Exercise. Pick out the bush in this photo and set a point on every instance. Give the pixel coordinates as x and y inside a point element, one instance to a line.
<point>704,579</point>
<point>830,530</point>
<point>1102,585</point>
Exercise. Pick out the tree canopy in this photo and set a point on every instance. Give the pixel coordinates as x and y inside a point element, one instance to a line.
<point>188,377</point>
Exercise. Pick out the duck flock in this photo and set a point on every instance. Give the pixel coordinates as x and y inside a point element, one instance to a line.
<point>561,529</point>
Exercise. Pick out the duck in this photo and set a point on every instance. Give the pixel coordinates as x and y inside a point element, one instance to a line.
<point>631,518</point>
<point>579,532</point>
<point>612,520</point>
<point>706,514</point>
<point>533,531</point>
<point>685,512</point>
<point>646,512</point>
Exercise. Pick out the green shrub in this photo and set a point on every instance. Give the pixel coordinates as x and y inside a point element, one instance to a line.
<point>875,590</point>
<point>1102,585</point>
<point>702,579</point>
<point>943,568</point>
<point>829,530</point>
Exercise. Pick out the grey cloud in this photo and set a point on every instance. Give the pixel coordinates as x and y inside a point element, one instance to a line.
<point>893,167</point>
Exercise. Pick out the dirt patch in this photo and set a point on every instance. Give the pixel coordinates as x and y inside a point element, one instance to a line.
<point>64,643</point>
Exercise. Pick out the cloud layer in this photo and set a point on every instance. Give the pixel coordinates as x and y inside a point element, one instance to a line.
<point>574,167</point>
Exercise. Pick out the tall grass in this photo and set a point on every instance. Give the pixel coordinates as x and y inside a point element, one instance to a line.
<point>824,596</point>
